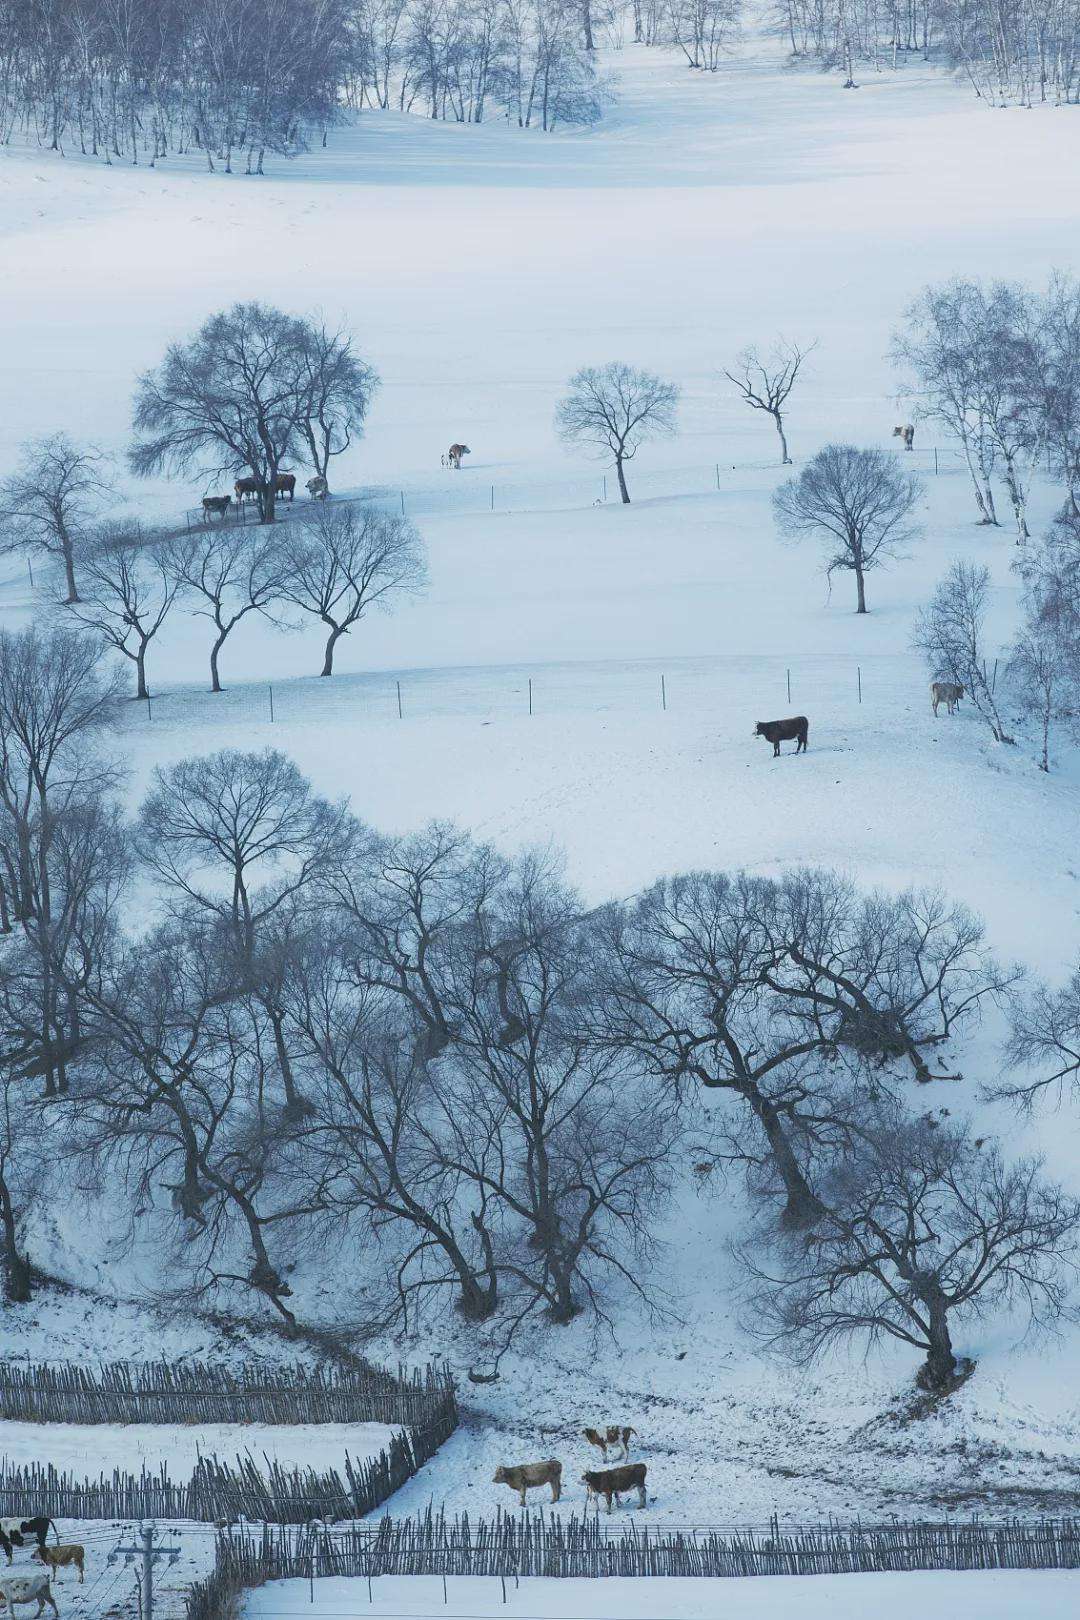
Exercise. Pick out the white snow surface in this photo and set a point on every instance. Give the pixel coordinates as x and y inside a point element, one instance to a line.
<point>479,267</point>
<point>941,1595</point>
<point>88,1450</point>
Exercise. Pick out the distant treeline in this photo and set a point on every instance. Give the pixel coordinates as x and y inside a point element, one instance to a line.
<point>1026,53</point>
<point>233,82</point>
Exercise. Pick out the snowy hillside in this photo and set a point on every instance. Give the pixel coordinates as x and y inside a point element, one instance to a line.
<point>585,676</point>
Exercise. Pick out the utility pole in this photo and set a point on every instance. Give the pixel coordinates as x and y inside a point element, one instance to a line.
<point>149,1553</point>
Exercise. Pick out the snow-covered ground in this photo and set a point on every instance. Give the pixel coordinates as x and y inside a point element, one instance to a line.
<point>478,268</point>
<point>944,1595</point>
<point>89,1450</point>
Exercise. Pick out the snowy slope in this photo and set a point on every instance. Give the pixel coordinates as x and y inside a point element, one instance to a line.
<point>479,267</point>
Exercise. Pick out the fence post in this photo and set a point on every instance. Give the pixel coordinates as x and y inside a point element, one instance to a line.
<point>493,497</point>
<point>993,682</point>
<point>718,475</point>
<point>149,710</point>
<point>530,694</point>
<point>663,693</point>
<point>402,494</point>
<point>271,704</point>
<point>605,486</point>
<point>789,686</point>
<point>858,672</point>
<point>30,571</point>
<point>935,461</point>
<point>399,713</point>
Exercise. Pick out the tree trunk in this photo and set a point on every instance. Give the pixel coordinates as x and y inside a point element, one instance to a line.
<point>803,1208</point>
<point>785,458</point>
<point>69,574</point>
<point>586,18</point>
<point>623,491</point>
<point>141,690</point>
<point>860,585</point>
<point>17,1274</point>
<point>215,679</point>
<point>940,1364</point>
<point>331,643</point>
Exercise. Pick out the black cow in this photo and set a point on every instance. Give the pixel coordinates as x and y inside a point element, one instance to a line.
<point>778,731</point>
<point>14,1532</point>
<point>609,1482</point>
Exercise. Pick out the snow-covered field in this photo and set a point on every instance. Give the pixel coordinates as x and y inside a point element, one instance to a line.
<point>87,1450</point>
<point>1051,1594</point>
<point>478,268</point>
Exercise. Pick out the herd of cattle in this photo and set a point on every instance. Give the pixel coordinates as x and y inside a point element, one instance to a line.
<point>608,1483</point>
<point>35,1586</point>
<point>249,489</point>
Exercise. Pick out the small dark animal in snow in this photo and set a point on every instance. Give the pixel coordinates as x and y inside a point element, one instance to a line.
<point>778,731</point>
<point>612,1435</point>
<point>609,1482</point>
<point>907,433</point>
<point>317,488</point>
<point>947,692</point>
<point>455,453</point>
<point>216,505</point>
<point>523,1476</point>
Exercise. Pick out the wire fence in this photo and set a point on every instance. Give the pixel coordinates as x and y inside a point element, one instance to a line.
<point>730,688</point>
<point>475,489</point>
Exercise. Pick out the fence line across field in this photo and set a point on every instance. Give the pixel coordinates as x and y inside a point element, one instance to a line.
<point>509,1550</point>
<point>473,491</point>
<point>715,684</point>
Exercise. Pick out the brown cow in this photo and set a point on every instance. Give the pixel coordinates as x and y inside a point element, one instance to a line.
<point>59,1557</point>
<point>608,1482</point>
<point>216,505</point>
<point>947,692</point>
<point>246,489</point>
<point>455,453</point>
<point>285,484</point>
<point>778,731</point>
<point>612,1435</point>
<point>522,1476</point>
<point>907,433</point>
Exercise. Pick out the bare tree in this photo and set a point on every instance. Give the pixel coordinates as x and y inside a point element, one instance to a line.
<point>616,408</point>
<point>1043,677</point>
<point>234,572</point>
<point>923,1224</point>
<point>50,501</point>
<point>766,382</point>
<point>949,634</point>
<point>339,387</point>
<point>128,591</point>
<point>1043,1050</point>
<point>941,348</point>
<point>234,398</point>
<point>351,559</point>
<point>858,501</point>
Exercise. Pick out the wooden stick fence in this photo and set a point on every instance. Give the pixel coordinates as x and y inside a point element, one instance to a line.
<point>509,1548</point>
<point>206,1392</point>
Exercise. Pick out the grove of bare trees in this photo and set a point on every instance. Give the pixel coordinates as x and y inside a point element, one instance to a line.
<point>433,1061</point>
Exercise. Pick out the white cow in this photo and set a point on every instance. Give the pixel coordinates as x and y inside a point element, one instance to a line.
<point>27,1589</point>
